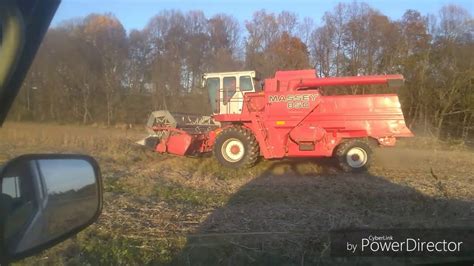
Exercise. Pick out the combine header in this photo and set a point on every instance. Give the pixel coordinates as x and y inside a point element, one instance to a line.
<point>287,116</point>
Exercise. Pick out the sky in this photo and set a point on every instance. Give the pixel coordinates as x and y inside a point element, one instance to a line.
<point>61,175</point>
<point>134,14</point>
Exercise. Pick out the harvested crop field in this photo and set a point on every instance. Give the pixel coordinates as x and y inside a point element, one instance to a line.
<point>162,209</point>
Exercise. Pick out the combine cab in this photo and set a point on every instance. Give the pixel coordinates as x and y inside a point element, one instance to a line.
<point>287,116</point>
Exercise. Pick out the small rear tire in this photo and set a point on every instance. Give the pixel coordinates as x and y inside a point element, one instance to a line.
<point>354,156</point>
<point>236,147</point>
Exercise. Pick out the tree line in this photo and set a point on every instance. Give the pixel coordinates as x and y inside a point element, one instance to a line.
<point>91,70</point>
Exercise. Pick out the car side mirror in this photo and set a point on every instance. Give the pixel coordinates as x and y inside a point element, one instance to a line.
<point>46,198</point>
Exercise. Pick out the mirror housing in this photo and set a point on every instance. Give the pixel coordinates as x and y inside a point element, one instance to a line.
<point>44,199</point>
<point>32,17</point>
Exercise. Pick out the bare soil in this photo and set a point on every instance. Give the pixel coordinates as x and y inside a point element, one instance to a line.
<point>163,209</point>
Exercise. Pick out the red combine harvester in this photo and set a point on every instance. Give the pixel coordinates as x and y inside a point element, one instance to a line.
<point>288,116</point>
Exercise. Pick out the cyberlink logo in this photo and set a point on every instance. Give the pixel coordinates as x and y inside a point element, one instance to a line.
<point>376,244</point>
<point>294,101</point>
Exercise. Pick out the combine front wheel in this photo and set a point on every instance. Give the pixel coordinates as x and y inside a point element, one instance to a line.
<point>354,156</point>
<point>236,147</point>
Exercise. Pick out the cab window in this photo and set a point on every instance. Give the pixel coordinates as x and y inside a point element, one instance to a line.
<point>229,88</point>
<point>213,86</point>
<point>246,83</point>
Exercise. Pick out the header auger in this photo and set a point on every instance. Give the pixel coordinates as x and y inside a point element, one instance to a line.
<point>287,116</point>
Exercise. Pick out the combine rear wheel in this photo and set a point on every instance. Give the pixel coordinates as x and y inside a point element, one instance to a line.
<point>354,156</point>
<point>236,147</point>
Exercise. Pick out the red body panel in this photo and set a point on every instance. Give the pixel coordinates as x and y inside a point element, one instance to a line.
<point>283,117</point>
<point>292,119</point>
<point>180,142</point>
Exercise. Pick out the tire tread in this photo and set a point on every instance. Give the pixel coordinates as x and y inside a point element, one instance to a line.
<point>252,150</point>
<point>344,147</point>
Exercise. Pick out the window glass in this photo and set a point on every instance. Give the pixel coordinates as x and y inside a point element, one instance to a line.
<point>11,186</point>
<point>258,85</point>
<point>229,88</point>
<point>17,204</point>
<point>246,83</point>
<point>213,85</point>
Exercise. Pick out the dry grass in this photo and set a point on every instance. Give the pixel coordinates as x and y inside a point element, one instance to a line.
<point>162,209</point>
<point>31,136</point>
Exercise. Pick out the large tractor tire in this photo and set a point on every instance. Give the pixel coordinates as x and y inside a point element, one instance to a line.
<point>236,147</point>
<point>354,156</point>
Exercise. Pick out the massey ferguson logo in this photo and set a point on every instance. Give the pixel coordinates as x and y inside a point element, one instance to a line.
<point>294,101</point>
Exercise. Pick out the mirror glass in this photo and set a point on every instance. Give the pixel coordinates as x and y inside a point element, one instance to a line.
<point>44,199</point>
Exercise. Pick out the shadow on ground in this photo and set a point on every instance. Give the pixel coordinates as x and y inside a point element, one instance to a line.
<point>283,217</point>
